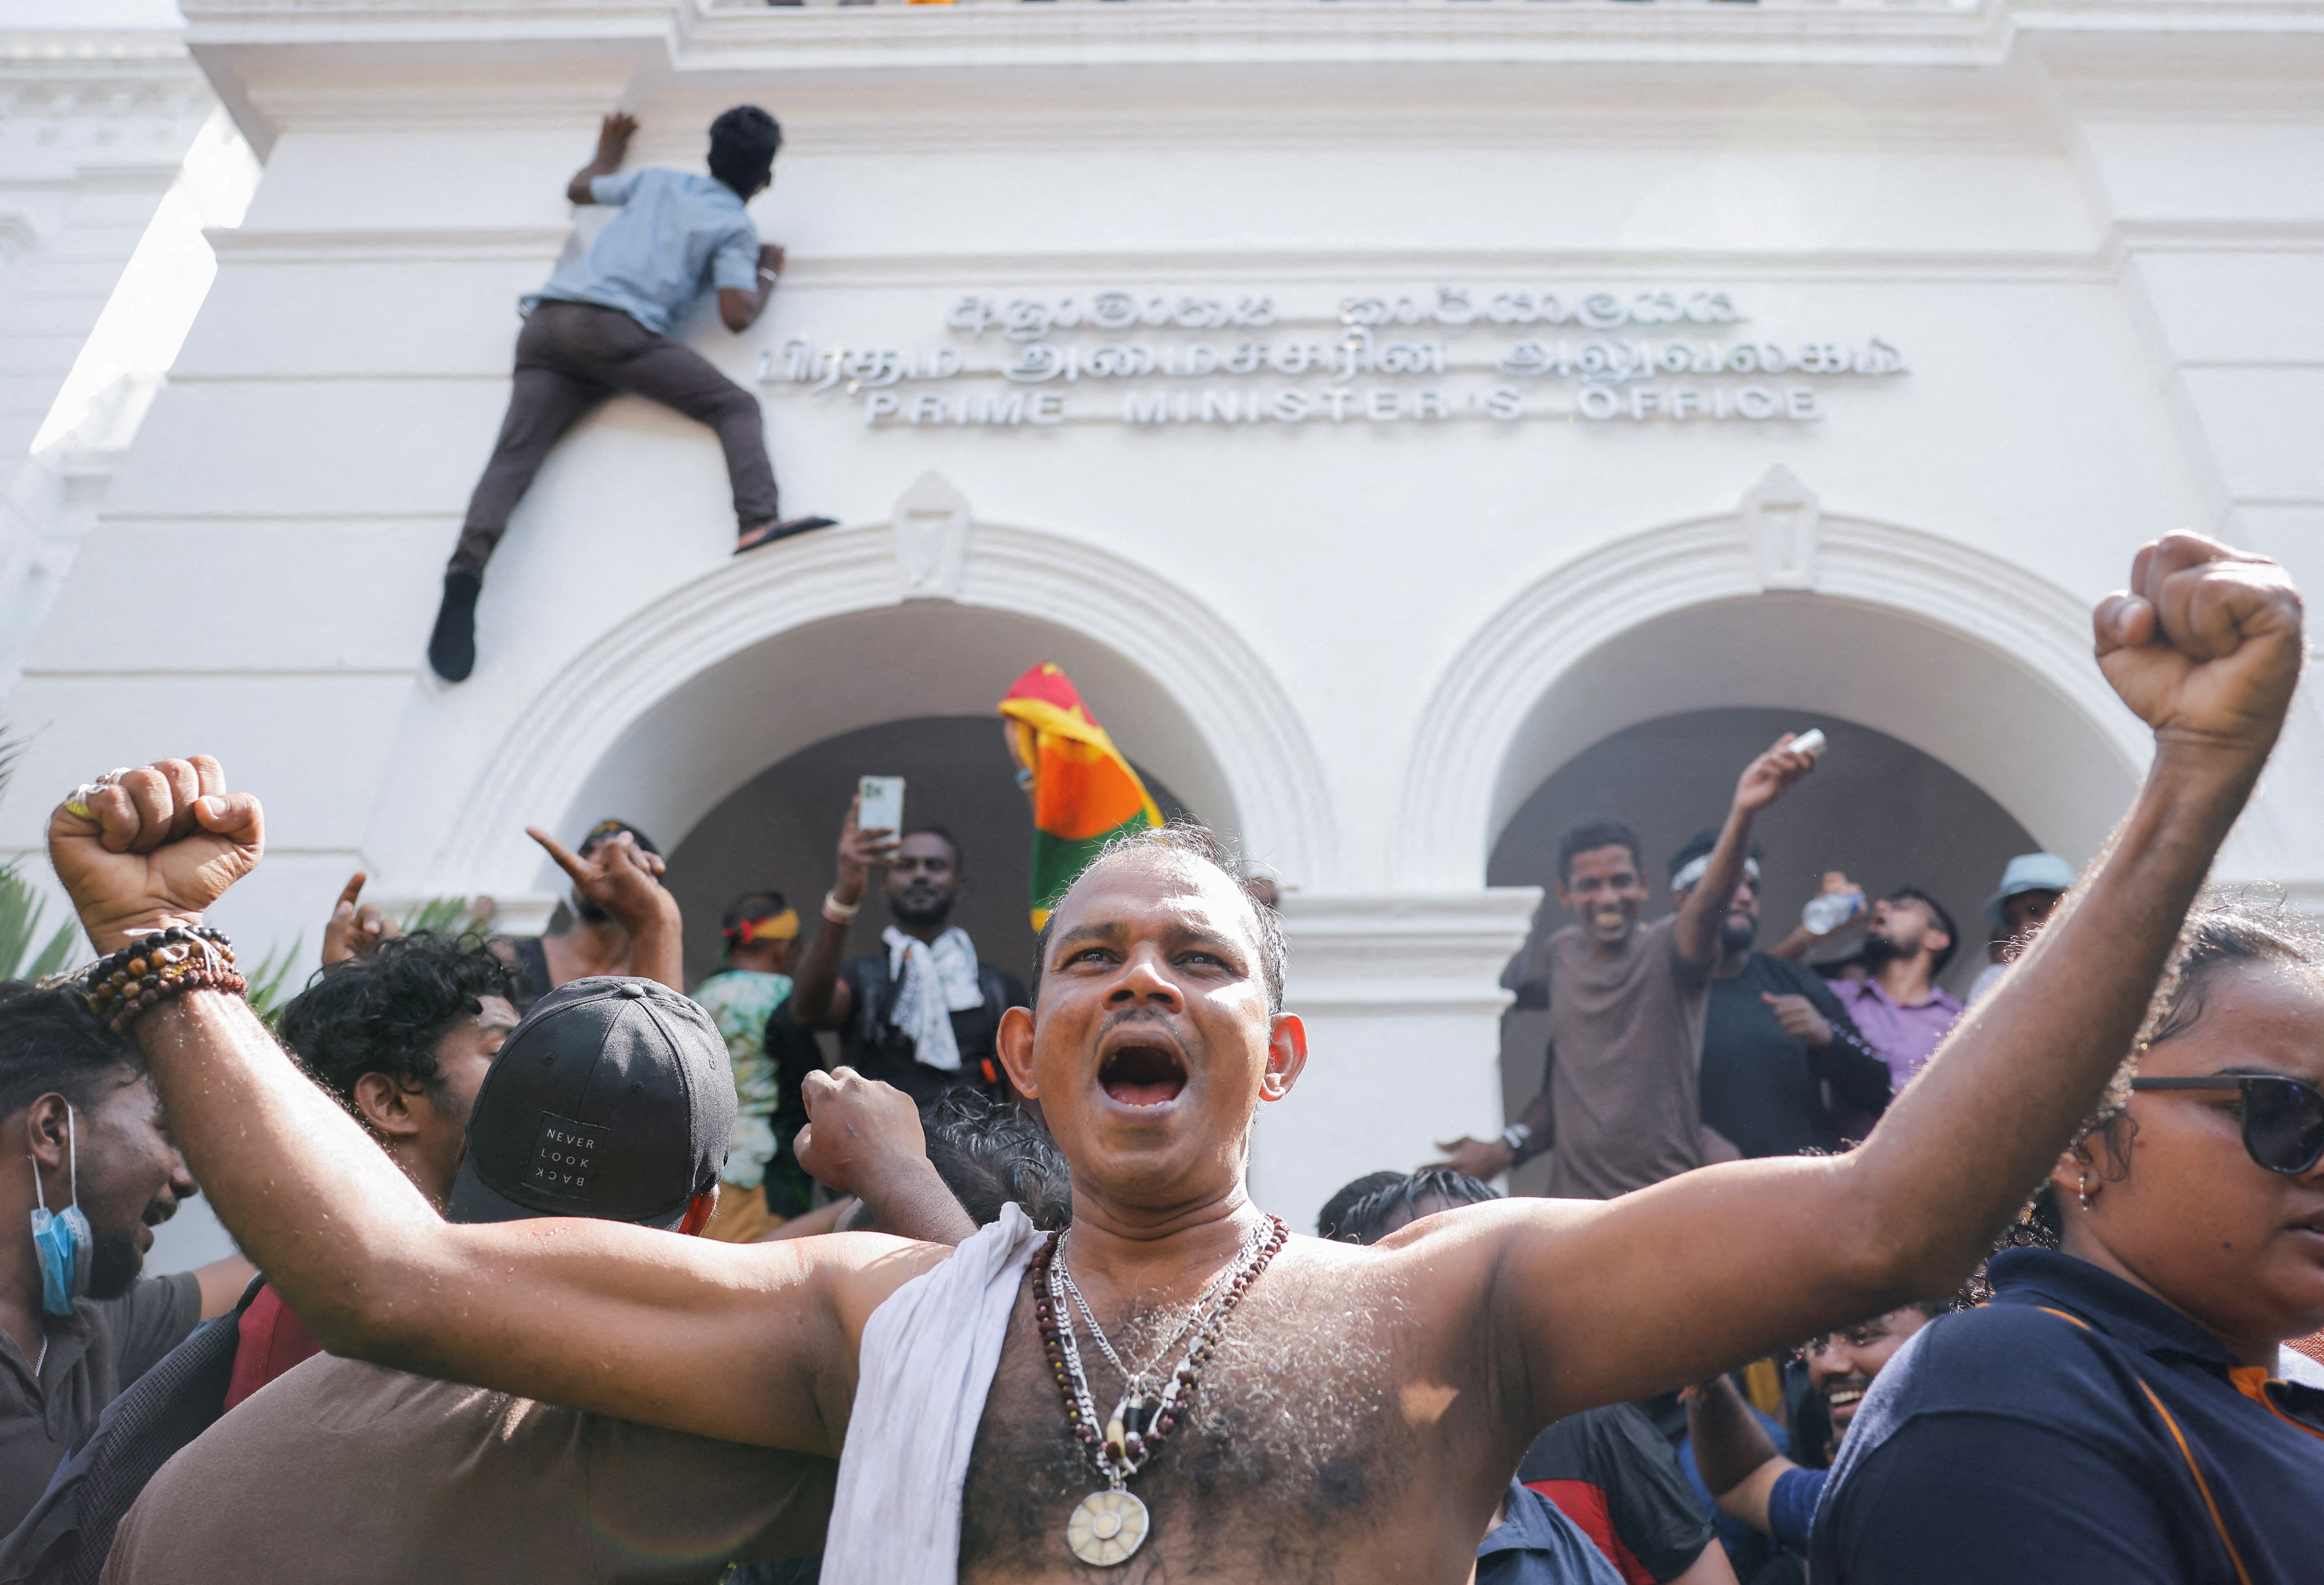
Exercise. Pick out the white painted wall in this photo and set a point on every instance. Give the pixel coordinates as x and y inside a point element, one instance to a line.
<point>2095,242</point>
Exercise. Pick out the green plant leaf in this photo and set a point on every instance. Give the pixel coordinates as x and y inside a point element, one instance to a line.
<point>57,953</point>
<point>268,995</point>
<point>449,915</point>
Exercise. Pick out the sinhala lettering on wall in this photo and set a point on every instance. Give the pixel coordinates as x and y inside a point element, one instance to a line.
<point>1173,358</point>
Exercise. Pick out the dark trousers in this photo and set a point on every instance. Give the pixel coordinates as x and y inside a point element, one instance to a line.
<point>571,356</point>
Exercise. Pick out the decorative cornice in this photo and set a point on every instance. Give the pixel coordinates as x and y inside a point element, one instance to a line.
<point>824,36</point>
<point>247,244</point>
<point>1483,701</point>
<point>1223,690</point>
<point>1418,953</point>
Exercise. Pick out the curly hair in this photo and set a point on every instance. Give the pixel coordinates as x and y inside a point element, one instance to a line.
<point>385,1012</point>
<point>990,1154</point>
<point>51,1041</point>
<point>1193,841</point>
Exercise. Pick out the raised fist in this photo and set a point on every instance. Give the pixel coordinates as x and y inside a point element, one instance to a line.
<point>859,1132</point>
<point>2205,644</point>
<point>157,846</point>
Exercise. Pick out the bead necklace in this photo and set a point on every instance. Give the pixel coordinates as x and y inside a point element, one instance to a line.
<point>1109,1526</point>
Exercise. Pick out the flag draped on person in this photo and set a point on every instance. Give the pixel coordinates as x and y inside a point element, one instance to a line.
<point>1084,792</point>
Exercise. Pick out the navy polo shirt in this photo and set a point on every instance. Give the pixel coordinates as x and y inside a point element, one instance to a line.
<point>2124,1446</point>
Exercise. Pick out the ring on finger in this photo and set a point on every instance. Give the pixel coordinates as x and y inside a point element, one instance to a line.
<point>76,800</point>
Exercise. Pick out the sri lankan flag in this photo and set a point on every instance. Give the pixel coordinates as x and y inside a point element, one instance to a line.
<point>1084,792</point>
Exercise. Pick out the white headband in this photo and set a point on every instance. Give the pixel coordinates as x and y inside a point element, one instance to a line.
<point>1693,869</point>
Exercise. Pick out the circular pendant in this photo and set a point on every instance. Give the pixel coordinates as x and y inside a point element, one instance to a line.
<point>1106,1529</point>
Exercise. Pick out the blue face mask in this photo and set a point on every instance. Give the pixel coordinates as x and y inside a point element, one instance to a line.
<point>62,1239</point>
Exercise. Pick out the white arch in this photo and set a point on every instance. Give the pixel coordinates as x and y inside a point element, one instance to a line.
<point>1218,727</point>
<point>1996,676</point>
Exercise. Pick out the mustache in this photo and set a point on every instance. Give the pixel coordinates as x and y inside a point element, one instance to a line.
<point>1124,1017</point>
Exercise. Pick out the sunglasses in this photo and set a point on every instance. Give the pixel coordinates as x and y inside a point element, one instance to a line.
<point>2284,1118</point>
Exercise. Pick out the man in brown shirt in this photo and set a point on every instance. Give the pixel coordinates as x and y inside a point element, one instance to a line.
<point>1621,1099</point>
<point>80,1124</point>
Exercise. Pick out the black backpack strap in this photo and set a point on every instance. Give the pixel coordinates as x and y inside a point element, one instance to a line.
<point>64,1539</point>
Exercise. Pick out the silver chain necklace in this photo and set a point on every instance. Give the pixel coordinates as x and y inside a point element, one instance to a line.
<point>1132,1380</point>
<point>1109,1526</point>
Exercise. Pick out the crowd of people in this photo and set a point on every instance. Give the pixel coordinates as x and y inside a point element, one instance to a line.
<point>888,1267</point>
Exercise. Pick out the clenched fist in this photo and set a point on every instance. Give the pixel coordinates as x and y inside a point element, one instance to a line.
<point>2205,644</point>
<point>158,846</point>
<point>860,1132</point>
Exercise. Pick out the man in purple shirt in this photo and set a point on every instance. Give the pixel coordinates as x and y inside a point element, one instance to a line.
<point>1897,1005</point>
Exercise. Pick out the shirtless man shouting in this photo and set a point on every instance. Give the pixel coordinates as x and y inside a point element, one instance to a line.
<point>1361,1409</point>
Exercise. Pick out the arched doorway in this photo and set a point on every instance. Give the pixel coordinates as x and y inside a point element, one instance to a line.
<point>1958,688</point>
<point>1876,807</point>
<point>688,700</point>
<point>779,828</point>
<point>1970,659</point>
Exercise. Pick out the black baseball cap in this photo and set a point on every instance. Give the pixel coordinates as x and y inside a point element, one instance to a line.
<point>612,1098</point>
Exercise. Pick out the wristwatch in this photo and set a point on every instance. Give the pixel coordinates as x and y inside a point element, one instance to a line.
<point>1516,1137</point>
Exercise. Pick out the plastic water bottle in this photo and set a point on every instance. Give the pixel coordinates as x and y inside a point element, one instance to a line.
<point>1827,913</point>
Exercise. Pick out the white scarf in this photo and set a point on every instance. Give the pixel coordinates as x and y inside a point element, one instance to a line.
<point>926,1367</point>
<point>932,983</point>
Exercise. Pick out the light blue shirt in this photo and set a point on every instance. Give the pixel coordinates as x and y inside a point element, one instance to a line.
<point>677,235</point>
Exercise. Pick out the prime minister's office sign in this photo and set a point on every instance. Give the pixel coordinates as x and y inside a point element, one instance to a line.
<point>1173,358</point>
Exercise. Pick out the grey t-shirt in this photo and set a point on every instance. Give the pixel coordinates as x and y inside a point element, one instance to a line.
<point>1626,1061</point>
<point>92,1354</point>
<point>343,1473</point>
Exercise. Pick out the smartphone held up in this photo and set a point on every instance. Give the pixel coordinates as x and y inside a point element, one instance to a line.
<point>881,803</point>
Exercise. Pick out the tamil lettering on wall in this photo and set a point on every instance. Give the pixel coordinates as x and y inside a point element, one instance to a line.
<point>1504,357</point>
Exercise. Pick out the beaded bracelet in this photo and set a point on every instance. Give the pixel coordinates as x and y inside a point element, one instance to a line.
<point>130,983</point>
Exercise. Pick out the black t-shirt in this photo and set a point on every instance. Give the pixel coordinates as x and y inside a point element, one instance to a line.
<point>871,1044</point>
<point>1614,1475</point>
<point>1764,1090</point>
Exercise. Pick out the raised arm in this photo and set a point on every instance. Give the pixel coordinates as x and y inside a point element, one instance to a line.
<point>356,927</point>
<point>1763,782</point>
<point>820,999</point>
<point>866,1140</point>
<point>1674,1282</point>
<point>751,1343</point>
<point>625,881</point>
<point>613,134</point>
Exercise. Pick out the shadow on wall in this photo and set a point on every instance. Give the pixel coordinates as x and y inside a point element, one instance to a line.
<point>779,829</point>
<point>1876,807</point>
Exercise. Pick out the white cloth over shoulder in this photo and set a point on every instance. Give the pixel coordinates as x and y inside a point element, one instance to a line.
<point>929,1354</point>
<point>932,983</point>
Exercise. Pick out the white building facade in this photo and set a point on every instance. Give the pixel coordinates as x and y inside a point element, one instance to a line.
<point>1374,407</point>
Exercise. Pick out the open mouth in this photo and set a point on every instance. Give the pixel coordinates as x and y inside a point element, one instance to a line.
<point>1844,1397</point>
<point>1142,1075</point>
